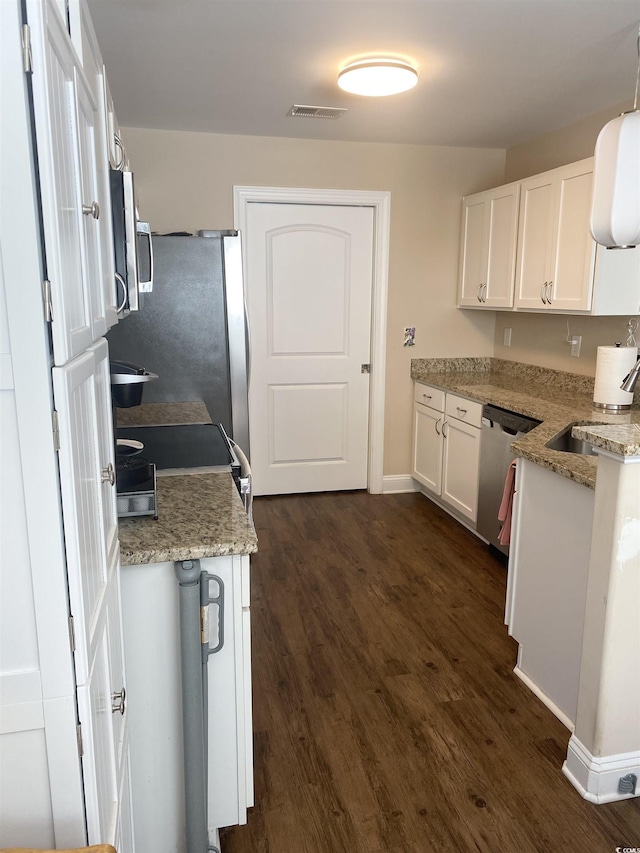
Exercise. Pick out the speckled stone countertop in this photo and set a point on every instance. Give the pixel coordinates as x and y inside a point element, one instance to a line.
<point>199,515</point>
<point>623,439</point>
<point>155,414</point>
<point>558,399</point>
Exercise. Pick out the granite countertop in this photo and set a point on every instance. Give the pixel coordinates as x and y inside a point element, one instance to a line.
<point>200,513</point>
<point>623,439</point>
<point>556,398</point>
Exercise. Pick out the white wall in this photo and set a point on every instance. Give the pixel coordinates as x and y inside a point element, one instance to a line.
<point>184,182</point>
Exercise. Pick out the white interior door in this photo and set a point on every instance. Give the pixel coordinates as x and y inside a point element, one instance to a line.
<point>309,278</point>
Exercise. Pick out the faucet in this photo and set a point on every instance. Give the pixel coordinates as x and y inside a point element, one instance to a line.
<point>629,381</point>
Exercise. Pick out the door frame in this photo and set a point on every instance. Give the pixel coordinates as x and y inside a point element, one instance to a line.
<point>381,203</point>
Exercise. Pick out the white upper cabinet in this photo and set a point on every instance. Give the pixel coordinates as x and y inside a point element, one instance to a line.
<point>93,72</point>
<point>555,249</point>
<point>528,247</point>
<point>74,191</point>
<point>488,248</point>
<point>59,169</point>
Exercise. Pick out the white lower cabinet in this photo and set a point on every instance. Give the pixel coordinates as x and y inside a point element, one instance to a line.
<point>151,621</point>
<point>547,583</point>
<point>446,447</point>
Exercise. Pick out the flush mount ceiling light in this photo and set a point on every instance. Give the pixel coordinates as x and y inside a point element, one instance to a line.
<point>615,214</point>
<point>377,77</point>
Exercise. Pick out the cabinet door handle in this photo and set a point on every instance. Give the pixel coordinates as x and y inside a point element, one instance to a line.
<point>125,293</point>
<point>427,396</point>
<point>445,434</point>
<point>479,294</point>
<point>436,425</point>
<point>464,411</point>
<point>549,288</point>
<point>92,209</point>
<point>543,291</point>
<point>118,701</point>
<point>484,292</point>
<point>108,475</point>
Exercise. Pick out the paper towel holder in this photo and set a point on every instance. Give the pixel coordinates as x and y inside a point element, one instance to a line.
<point>627,385</point>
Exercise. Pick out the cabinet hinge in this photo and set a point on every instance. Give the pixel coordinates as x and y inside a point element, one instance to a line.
<point>72,634</point>
<point>27,59</point>
<point>56,430</point>
<point>46,298</point>
<point>79,740</point>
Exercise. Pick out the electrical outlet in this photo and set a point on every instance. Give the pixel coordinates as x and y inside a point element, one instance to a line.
<point>576,343</point>
<point>507,337</point>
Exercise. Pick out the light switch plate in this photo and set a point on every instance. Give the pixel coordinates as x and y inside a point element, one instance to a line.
<point>576,343</point>
<point>507,337</point>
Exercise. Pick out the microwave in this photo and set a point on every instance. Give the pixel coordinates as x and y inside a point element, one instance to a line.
<point>133,250</point>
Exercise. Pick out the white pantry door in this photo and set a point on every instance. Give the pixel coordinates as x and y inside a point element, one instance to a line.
<point>309,280</point>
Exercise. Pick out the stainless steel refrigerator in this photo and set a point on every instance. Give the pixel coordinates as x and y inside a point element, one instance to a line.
<point>192,330</point>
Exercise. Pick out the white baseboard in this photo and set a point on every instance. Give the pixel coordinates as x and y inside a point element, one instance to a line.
<point>597,778</point>
<point>395,484</point>
<point>542,696</point>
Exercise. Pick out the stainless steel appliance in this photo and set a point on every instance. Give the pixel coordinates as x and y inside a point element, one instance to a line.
<point>500,428</point>
<point>132,246</point>
<point>193,329</point>
<point>175,447</point>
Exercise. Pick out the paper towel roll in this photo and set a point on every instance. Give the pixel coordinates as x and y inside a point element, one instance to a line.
<point>612,365</point>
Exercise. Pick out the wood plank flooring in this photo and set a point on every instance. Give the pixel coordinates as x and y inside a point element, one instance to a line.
<point>386,713</point>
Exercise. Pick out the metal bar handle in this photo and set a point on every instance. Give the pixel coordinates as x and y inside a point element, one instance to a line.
<point>205,600</point>
<point>436,425</point>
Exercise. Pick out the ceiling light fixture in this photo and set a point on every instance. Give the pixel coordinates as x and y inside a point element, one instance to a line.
<point>377,77</point>
<point>615,214</point>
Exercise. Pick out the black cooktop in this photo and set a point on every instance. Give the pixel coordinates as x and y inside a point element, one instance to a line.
<point>182,445</point>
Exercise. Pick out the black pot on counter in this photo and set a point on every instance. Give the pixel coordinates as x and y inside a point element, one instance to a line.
<point>127,383</point>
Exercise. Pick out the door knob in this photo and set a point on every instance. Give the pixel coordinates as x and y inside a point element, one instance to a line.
<point>92,209</point>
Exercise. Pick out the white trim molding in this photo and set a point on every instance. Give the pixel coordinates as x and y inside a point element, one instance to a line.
<point>597,779</point>
<point>396,484</point>
<point>542,696</point>
<point>381,204</point>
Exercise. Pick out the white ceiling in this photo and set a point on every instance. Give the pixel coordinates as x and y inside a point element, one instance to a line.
<point>493,73</point>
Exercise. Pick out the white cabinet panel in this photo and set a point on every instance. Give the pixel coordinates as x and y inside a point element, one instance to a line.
<point>488,248</point>
<point>535,240</point>
<point>427,447</point>
<point>446,448</point>
<point>548,573</point>
<point>92,203</point>
<point>230,770</point>
<point>461,467</point>
<point>73,170</point>
<point>60,182</point>
<point>150,603</point>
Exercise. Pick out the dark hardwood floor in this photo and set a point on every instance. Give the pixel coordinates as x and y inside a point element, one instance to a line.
<point>386,713</point>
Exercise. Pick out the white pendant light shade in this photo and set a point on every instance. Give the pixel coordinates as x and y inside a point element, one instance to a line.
<point>615,215</point>
<point>377,77</point>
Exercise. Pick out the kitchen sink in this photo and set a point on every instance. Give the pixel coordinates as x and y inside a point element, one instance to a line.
<point>566,443</point>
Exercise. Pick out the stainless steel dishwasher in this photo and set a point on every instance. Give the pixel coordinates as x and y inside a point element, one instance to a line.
<point>500,428</point>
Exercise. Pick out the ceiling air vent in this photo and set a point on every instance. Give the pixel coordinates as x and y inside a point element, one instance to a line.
<point>306,111</point>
